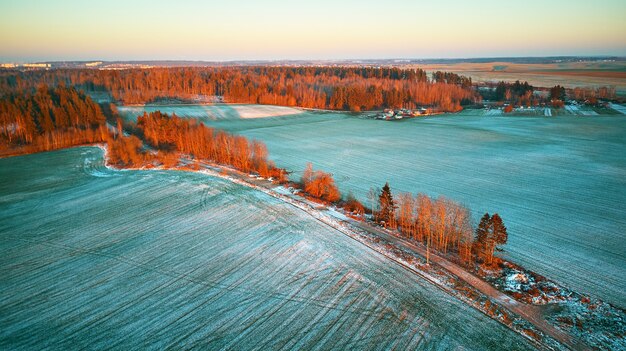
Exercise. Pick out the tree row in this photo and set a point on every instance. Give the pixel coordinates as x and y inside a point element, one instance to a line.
<point>440,224</point>
<point>169,137</point>
<point>339,88</point>
<point>49,118</point>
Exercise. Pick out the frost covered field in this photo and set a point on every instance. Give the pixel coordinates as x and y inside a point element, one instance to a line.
<point>559,183</point>
<point>215,112</point>
<point>93,258</point>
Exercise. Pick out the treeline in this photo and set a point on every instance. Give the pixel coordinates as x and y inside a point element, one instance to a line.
<point>517,93</point>
<point>172,136</point>
<point>128,151</point>
<point>49,118</point>
<point>591,95</point>
<point>338,88</point>
<point>440,224</point>
<point>557,96</point>
<point>522,94</point>
<point>452,78</point>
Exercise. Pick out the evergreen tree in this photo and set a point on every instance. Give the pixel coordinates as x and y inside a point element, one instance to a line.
<point>387,207</point>
<point>557,93</point>
<point>500,235</point>
<point>482,231</point>
<point>490,234</point>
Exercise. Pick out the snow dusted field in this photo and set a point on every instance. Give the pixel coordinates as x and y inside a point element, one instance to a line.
<point>214,112</point>
<point>580,110</point>
<point>559,183</point>
<point>619,108</point>
<point>93,258</point>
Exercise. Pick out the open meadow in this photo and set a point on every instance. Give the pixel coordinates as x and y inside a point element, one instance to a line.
<point>568,74</point>
<point>92,258</point>
<point>558,182</point>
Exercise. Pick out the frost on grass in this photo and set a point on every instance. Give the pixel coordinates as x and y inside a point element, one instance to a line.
<point>162,259</point>
<point>212,112</point>
<point>557,182</point>
<point>595,322</point>
<point>619,108</point>
<point>262,111</point>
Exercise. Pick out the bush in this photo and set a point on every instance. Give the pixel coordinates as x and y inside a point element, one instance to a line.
<point>125,151</point>
<point>353,206</point>
<point>320,185</point>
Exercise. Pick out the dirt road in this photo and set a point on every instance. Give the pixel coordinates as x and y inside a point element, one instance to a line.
<point>530,313</point>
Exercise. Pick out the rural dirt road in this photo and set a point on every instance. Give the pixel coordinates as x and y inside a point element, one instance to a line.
<point>530,313</point>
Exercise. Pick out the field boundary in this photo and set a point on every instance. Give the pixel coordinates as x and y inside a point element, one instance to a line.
<point>466,287</point>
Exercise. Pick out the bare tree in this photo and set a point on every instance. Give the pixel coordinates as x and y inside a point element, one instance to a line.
<point>406,215</point>
<point>424,219</point>
<point>372,196</point>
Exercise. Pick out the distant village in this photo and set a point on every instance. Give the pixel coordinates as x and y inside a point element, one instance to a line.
<point>397,114</point>
<point>26,65</point>
<point>93,64</point>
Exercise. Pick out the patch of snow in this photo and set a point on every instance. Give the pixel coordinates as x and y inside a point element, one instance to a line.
<point>619,108</point>
<point>514,281</point>
<point>494,112</point>
<point>589,112</point>
<point>262,111</point>
<point>336,214</point>
<point>212,112</point>
<point>574,110</point>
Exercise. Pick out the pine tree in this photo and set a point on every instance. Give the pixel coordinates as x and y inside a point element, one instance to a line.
<point>386,214</point>
<point>482,235</point>
<point>490,234</point>
<point>482,232</point>
<point>500,236</point>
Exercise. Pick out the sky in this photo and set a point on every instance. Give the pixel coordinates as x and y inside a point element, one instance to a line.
<point>324,29</point>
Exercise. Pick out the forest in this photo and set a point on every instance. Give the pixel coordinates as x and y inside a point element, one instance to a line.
<point>54,118</point>
<point>335,88</point>
<point>49,118</point>
<point>523,94</point>
<point>168,138</point>
<point>519,93</point>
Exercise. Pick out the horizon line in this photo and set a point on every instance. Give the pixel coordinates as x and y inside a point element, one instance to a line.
<point>326,59</point>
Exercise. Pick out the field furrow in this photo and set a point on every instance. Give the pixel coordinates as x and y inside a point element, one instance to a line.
<point>559,183</point>
<point>163,259</point>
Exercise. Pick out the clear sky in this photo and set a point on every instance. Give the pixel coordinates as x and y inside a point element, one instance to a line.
<point>297,29</point>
